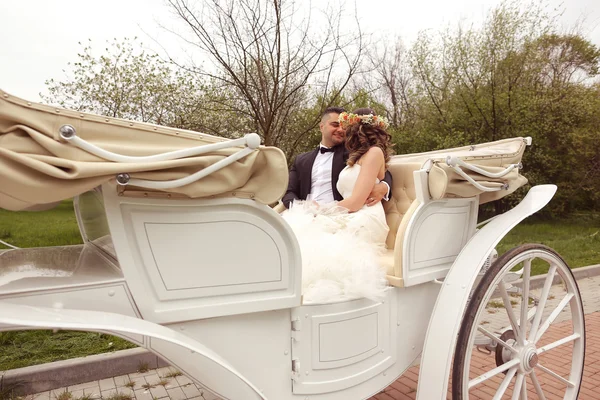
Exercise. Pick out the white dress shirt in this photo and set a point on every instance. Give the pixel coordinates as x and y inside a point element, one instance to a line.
<point>320,181</point>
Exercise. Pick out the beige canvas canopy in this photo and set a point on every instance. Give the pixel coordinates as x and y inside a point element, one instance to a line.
<point>487,159</point>
<point>38,167</point>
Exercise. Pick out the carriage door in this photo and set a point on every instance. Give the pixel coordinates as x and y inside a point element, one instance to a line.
<point>336,346</point>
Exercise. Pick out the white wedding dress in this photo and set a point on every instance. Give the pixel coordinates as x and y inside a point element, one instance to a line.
<point>340,250</point>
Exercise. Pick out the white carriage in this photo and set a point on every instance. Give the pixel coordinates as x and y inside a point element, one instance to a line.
<point>183,256</point>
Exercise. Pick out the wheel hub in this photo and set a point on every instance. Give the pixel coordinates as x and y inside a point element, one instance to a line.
<point>529,358</point>
<point>532,361</point>
<point>527,355</point>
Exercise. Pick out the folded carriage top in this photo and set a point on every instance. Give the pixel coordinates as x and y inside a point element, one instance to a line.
<point>490,170</point>
<point>39,166</point>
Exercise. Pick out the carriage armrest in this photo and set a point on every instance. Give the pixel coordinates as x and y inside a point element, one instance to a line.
<point>428,240</point>
<point>393,257</point>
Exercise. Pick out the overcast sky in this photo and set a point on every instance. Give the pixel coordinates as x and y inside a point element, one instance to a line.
<point>39,37</point>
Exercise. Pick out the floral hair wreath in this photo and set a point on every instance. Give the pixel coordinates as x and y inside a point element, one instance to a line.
<point>347,119</point>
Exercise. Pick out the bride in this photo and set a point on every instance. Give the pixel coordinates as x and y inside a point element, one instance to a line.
<point>341,241</point>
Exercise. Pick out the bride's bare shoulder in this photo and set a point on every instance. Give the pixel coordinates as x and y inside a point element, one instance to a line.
<point>374,154</point>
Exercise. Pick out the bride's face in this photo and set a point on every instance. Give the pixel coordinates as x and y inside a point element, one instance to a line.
<point>331,132</point>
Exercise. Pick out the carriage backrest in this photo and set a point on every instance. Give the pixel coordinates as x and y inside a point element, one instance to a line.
<point>403,195</point>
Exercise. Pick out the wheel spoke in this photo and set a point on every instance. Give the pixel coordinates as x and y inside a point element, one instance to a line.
<point>511,315</point>
<point>497,339</point>
<point>555,375</point>
<point>524,390</point>
<point>543,297</point>
<point>505,383</point>
<point>537,386</point>
<point>493,372</point>
<point>563,303</point>
<point>565,340</point>
<point>518,386</point>
<point>527,330</point>
<point>525,298</point>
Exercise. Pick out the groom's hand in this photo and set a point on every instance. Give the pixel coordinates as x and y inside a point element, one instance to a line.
<point>377,194</point>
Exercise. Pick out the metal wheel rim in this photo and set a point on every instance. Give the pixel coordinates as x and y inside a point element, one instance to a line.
<point>578,327</point>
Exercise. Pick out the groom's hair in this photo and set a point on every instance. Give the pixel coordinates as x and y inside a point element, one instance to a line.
<point>332,110</point>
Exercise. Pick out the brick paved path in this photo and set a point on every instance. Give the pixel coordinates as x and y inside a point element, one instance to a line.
<point>405,387</point>
<point>156,384</point>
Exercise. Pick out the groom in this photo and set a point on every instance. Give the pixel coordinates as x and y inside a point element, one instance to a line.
<point>317,171</point>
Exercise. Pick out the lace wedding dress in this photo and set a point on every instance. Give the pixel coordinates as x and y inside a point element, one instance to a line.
<point>340,250</point>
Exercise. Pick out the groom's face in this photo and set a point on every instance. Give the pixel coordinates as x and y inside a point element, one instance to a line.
<point>331,132</point>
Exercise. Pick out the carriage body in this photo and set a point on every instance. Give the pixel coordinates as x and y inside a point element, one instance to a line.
<point>212,283</point>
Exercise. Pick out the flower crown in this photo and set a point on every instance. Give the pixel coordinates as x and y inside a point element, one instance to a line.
<point>348,119</point>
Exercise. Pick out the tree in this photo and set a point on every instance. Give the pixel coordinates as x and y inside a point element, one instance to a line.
<point>513,76</point>
<point>272,60</point>
<point>392,80</point>
<point>128,83</point>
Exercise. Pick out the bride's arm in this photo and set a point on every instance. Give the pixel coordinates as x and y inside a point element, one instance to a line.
<point>371,163</point>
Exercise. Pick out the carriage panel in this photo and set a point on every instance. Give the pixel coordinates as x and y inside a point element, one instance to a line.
<point>184,255</point>
<point>435,235</point>
<point>187,259</point>
<point>338,346</point>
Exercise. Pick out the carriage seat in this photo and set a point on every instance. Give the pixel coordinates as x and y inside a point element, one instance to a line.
<point>398,211</point>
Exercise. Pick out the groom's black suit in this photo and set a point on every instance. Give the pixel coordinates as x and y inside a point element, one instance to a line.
<point>299,184</point>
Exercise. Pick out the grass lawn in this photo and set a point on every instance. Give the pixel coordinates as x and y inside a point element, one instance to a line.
<point>23,348</point>
<point>577,239</point>
<point>40,229</point>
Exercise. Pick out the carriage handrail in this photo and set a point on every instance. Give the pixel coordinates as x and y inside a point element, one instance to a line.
<point>68,133</point>
<point>454,161</point>
<point>251,141</point>
<point>124,179</point>
<point>477,184</point>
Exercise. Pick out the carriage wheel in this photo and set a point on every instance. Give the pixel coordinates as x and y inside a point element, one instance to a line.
<point>498,357</point>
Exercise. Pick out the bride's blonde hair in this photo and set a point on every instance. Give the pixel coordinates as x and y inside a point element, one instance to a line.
<point>361,136</point>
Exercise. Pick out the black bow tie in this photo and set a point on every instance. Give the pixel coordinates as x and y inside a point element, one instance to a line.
<point>326,150</point>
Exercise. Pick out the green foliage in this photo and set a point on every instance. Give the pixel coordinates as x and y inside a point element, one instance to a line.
<point>513,76</point>
<point>362,99</point>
